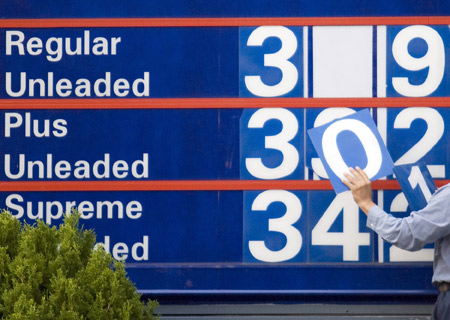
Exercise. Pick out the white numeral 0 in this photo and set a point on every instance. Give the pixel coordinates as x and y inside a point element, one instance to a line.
<point>365,135</point>
<point>283,225</point>
<point>325,117</point>
<point>277,142</point>
<point>278,60</point>
<point>434,59</point>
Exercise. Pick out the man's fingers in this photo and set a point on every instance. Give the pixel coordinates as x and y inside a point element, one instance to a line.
<point>347,182</point>
<point>360,175</point>
<point>350,177</point>
<point>356,173</point>
<point>355,178</point>
<point>363,175</point>
<point>351,181</point>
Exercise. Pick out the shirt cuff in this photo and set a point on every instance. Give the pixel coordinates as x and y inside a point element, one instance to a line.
<point>373,217</point>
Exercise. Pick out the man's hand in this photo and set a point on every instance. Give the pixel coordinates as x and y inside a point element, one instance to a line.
<point>359,183</point>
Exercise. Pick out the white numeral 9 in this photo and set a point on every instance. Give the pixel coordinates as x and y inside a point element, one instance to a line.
<point>278,60</point>
<point>434,59</point>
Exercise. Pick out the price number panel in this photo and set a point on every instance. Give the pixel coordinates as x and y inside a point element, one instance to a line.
<point>272,144</point>
<point>274,226</point>
<point>411,135</point>
<point>417,60</point>
<point>344,61</point>
<point>418,134</point>
<point>271,61</point>
<point>320,226</point>
<point>315,118</point>
<point>294,226</point>
<point>309,226</point>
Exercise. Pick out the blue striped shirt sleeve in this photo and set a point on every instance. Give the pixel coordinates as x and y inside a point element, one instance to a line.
<point>421,227</point>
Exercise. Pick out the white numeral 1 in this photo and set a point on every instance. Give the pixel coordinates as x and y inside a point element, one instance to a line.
<point>416,179</point>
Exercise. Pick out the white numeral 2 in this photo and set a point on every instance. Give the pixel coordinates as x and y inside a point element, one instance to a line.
<point>435,131</point>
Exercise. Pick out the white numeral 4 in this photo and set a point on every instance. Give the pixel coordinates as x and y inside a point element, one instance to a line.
<point>350,238</point>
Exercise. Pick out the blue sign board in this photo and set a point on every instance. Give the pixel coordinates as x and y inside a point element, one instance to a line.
<point>168,92</point>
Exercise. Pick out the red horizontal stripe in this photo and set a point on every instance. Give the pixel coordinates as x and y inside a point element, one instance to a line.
<point>222,103</point>
<point>158,185</point>
<point>220,22</point>
<point>184,185</point>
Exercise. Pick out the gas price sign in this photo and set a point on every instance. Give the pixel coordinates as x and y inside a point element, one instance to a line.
<point>208,156</point>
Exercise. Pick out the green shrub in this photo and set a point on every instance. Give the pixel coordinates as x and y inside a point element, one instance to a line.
<point>49,273</point>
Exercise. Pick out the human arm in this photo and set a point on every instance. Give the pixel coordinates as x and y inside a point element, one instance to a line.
<point>409,233</point>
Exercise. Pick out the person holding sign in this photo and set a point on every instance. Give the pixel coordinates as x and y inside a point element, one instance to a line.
<point>412,233</point>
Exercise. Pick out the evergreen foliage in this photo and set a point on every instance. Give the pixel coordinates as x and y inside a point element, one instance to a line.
<point>49,273</point>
